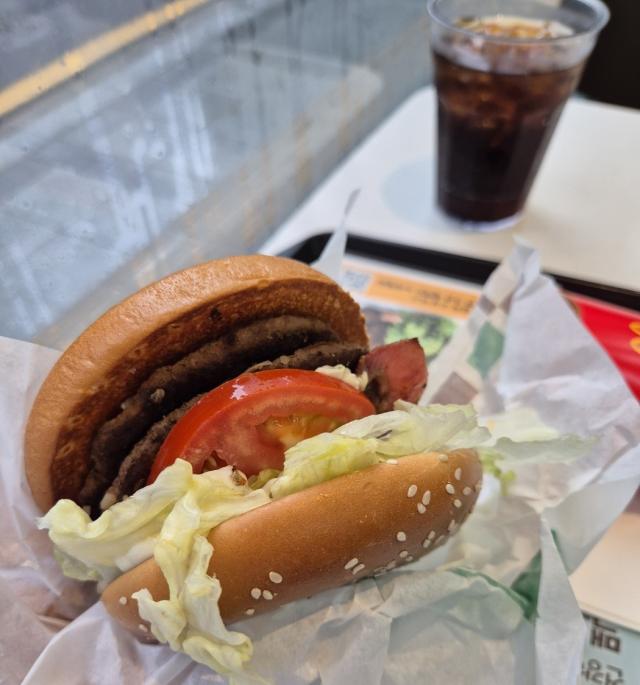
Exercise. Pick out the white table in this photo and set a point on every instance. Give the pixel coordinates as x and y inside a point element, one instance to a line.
<point>583,214</point>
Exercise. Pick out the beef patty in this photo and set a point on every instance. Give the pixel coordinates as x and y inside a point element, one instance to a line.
<point>135,468</point>
<point>313,356</point>
<point>169,387</point>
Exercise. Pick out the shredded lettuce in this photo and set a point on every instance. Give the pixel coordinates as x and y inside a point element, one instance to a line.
<point>521,424</point>
<point>319,459</point>
<point>563,449</point>
<point>262,478</point>
<point>168,520</point>
<point>409,429</point>
<point>519,437</point>
<point>123,536</point>
<point>500,458</point>
<point>171,518</point>
<point>490,461</point>
<point>189,620</point>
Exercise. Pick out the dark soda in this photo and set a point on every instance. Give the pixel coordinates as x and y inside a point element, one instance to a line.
<point>493,130</point>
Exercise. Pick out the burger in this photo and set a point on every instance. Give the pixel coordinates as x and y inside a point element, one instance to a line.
<point>224,442</point>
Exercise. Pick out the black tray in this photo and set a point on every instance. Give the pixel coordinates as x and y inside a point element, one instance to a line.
<point>455,266</point>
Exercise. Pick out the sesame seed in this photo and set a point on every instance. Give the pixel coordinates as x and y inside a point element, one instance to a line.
<point>143,628</point>
<point>404,554</point>
<point>392,461</point>
<point>457,474</point>
<point>466,490</point>
<point>452,525</point>
<point>357,569</point>
<point>391,565</point>
<point>443,458</point>
<point>401,536</point>
<point>450,489</point>
<point>275,577</point>
<point>256,593</point>
<point>409,558</point>
<point>122,600</point>
<point>426,498</point>
<point>440,540</point>
<point>421,508</point>
<point>351,563</point>
<point>432,535</point>
<point>457,503</point>
<point>411,492</point>
<point>267,595</point>
<point>426,543</point>
<point>250,612</point>
<point>477,486</point>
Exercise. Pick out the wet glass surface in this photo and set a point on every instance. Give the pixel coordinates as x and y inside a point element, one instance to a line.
<point>139,137</point>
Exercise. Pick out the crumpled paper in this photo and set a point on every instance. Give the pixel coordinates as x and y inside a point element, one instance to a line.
<point>492,606</point>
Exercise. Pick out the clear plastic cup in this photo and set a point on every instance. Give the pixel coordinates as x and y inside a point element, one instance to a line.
<point>503,72</point>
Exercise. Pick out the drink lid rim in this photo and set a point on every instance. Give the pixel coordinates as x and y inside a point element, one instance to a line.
<point>602,18</point>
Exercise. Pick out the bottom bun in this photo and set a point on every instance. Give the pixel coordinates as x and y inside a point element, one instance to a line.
<point>351,527</point>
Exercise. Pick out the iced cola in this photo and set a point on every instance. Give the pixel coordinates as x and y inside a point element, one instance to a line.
<point>502,82</point>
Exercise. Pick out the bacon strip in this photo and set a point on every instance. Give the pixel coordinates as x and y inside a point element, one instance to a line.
<point>397,371</point>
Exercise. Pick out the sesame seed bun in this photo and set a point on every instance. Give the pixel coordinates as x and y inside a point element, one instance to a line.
<point>153,327</point>
<point>331,534</point>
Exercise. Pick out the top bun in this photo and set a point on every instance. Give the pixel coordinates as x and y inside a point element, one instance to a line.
<point>153,327</point>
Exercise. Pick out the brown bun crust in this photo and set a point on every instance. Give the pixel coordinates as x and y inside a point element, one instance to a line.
<point>310,537</point>
<point>155,326</point>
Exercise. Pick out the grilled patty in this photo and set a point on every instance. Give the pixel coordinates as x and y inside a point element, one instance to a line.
<point>134,470</point>
<point>169,387</point>
<point>313,356</point>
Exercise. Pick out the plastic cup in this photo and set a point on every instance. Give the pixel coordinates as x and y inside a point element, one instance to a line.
<point>501,88</point>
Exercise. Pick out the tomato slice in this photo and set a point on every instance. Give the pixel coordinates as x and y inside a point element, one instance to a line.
<point>250,421</point>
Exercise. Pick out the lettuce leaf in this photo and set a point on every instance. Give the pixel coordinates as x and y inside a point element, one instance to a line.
<point>262,478</point>
<point>319,459</point>
<point>409,429</point>
<point>521,424</point>
<point>189,620</point>
<point>563,449</point>
<point>519,437</point>
<point>171,518</point>
<point>123,536</point>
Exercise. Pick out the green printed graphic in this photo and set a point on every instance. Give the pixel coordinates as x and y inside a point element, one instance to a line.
<point>387,326</point>
<point>487,350</point>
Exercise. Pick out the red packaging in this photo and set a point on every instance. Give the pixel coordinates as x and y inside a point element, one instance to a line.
<point>617,330</point>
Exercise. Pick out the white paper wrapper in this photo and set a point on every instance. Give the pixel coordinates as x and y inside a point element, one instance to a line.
<point>445,619</point>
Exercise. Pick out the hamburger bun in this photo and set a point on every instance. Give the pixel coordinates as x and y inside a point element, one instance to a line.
<point>337,532</point>
<point>155,326</point>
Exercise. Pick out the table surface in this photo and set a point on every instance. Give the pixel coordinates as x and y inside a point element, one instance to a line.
<point>583,214</point>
